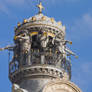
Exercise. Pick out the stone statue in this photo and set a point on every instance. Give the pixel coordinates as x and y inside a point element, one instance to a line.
<point>69,52</point>
<point>44,40</point>
<point>25,45</point>
<point>16,88</point>
<point>60,46</point>
<point>10,48</point>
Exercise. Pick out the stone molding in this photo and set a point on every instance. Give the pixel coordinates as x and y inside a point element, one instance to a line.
<point>37,71</point>
<point>61,85</point>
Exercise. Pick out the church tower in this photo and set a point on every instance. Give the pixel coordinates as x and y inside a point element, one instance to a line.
<point>41,59</point>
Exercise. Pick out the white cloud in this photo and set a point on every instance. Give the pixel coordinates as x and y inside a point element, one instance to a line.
<point>30,2</point>
<point>15,2</point>
<point>86,68</point>
<point>82,27</point>
<point>27,3</point>
<point>6,4</point>
<point>82,75</point>
<point>59,1</point>
<point>4,9</point>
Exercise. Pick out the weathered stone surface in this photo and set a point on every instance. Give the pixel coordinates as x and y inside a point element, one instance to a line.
<point>61,86</point>
<point>35,85</point>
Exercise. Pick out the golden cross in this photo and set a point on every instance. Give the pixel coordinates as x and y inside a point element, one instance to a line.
<point>40,7</point>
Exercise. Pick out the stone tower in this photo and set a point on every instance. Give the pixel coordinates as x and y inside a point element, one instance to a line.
<point>40,60</point>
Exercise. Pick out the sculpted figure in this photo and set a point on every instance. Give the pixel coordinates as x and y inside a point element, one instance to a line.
<point>25,45</point>
<point>44,40</point>
<point>16,88</point>
<point>60,45</point>
<point>10,48</point>
<point>69,52</point>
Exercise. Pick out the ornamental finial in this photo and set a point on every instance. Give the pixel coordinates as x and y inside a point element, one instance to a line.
<point>40,7</point>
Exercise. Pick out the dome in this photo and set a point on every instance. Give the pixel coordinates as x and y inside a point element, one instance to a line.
<point>41,21</point>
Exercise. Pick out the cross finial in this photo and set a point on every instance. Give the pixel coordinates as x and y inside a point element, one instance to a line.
<point>40,7</point>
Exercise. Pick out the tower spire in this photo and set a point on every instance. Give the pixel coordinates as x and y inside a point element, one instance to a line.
<point>40,7</point>
<point>41,60</point>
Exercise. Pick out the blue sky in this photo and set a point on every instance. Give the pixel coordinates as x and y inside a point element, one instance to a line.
<point>75,14</point>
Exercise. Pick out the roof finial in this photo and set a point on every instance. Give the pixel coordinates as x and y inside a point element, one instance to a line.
<point>40,7</point>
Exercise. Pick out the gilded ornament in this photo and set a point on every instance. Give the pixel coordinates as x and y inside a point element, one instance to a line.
<point>15,37</point>
<point>43,18</point>
<point>70,43</point>
<point>19,24</point>
<point>59,23</point>
<point>33,18</point>
<point>52,20</point>
<point>33,33</point>
<point>45,33</point>
<point>40,7</point>
<point>51,34</point>
<point>25,21</point>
